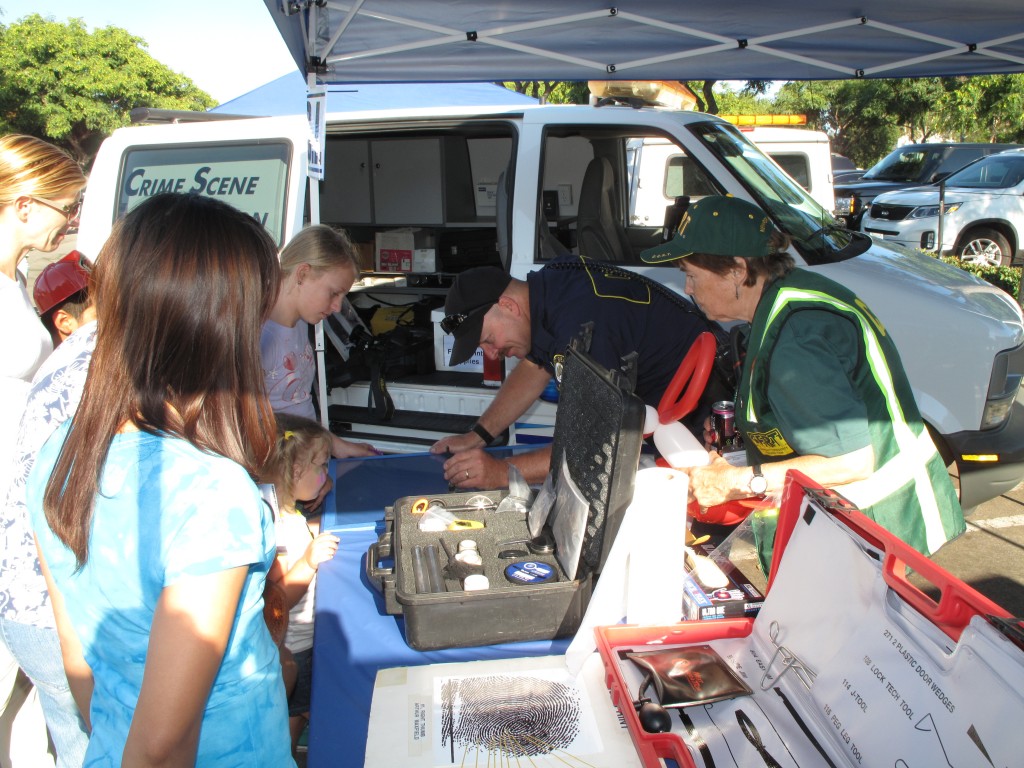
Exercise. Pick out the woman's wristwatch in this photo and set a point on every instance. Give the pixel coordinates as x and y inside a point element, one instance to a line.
<point>757,484</point>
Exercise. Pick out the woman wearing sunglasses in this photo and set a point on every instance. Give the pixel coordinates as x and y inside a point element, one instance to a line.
<point>40,192</point>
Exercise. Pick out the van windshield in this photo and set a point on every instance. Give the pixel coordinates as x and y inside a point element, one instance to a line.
<point>816,235</point>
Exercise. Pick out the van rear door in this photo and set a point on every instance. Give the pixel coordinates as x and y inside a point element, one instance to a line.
<point>256,165</point>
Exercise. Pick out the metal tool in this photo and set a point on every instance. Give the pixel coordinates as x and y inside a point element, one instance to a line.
<point>478,503</point>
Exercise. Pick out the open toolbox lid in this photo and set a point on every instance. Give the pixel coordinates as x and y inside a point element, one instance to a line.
<point>849,663</point>
<point>599,431</point>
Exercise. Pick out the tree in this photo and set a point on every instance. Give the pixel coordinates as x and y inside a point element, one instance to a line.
<point>64,84</point>
<point>552,91</point>
<point>983,108</point>
<point>856,114</point>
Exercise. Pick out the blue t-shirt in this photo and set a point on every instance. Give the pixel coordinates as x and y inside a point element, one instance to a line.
<point>166,510</point>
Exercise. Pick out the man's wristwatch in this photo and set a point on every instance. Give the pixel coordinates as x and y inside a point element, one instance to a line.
<point>482,433</point>
<point>757,485</point>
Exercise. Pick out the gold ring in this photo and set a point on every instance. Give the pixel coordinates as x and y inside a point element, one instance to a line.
<point>467,474</point>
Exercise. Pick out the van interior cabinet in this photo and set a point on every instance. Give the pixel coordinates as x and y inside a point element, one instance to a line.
<point>345,190</point>
<point>397,181</point>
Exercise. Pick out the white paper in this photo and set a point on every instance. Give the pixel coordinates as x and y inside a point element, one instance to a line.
<point>524,711</point>
<point>648,554</point>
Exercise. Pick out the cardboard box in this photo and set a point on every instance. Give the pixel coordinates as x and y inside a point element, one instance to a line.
<point>395,248</point>
<point>443,343</point>
<point>424,260</point>
<point>737,599</point>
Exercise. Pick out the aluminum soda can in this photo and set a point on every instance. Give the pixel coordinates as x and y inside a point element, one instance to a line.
<point>723,423</point>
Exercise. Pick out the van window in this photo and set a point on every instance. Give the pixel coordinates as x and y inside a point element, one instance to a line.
<point>251,177</point>
<point>958,157</point>
<point>685,177</point>
<point>660,171</point>
<point>796,164</point>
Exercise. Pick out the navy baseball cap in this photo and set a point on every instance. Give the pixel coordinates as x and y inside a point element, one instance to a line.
<point>471,296</point>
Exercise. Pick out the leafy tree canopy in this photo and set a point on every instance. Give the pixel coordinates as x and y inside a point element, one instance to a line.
<point>864,118</point>
<point>62,83</point>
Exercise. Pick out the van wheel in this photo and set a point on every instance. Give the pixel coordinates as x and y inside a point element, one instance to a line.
<point>986,247</point>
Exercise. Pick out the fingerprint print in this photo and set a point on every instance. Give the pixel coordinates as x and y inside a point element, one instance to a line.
<point>531,717</point>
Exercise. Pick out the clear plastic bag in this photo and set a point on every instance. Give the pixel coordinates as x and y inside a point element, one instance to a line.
<point>541,506</point>
<point>570,521</point>
<point>519,493</point>
<point>749,546</point>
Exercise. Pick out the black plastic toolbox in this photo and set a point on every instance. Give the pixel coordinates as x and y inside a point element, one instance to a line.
<point>598,429</point>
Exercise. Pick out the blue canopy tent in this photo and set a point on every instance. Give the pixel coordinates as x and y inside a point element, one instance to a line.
<point>469,40</point>
<point>287,96</point>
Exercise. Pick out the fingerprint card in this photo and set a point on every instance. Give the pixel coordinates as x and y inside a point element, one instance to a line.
<point>494,719</point>
<point>508,712</point>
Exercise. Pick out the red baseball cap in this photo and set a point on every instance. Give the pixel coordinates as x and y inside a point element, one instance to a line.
<point>60,280</point>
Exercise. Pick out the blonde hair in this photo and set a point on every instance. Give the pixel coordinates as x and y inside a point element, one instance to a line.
<point>298,439</point>
<point>320,246</point>
<point>33,167</point>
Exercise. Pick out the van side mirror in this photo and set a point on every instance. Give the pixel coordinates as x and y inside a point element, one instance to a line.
<point>937,177</point>
<point>673,215</point>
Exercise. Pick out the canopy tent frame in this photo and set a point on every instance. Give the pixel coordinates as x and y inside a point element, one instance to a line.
<point>429,40</point>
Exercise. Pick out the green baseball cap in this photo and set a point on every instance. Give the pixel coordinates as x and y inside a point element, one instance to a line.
<point>719,225</point>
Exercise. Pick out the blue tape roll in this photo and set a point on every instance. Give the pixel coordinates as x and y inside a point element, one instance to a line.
<point>530,572</point>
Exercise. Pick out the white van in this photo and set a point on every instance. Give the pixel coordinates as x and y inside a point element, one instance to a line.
<point>511,185</point>
<point>658,172</point>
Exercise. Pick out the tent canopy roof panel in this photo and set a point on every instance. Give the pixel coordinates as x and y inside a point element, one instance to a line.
<point>493,40</point>
<point>287,96</point>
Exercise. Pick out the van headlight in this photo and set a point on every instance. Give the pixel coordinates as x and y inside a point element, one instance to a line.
<point>928,211</point>
<point>1007,372</point>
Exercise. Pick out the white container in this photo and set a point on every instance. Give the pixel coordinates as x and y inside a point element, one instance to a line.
<point>443,343</point>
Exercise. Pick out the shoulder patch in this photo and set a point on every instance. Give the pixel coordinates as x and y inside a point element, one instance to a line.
<point>770,443</point>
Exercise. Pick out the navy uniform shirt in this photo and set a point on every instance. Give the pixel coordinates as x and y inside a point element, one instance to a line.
<point>628,314</point>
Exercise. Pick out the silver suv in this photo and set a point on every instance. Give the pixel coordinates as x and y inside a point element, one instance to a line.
<point>984,212</point>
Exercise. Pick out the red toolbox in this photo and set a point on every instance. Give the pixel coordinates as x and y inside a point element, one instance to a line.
<point>847,663</point>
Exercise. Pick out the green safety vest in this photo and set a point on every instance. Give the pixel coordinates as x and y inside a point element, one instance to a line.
<point>909,492</point>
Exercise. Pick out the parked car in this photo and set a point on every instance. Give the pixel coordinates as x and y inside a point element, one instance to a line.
<point>908,166</point>
<point>844,169</point>
<point>983,219</point>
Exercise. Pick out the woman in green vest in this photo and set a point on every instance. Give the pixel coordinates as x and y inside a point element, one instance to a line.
<point>822,389</point>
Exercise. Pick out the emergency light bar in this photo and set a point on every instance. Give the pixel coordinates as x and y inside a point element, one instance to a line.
<point>766,119</point>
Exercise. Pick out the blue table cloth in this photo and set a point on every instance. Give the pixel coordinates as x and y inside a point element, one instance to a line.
<point>354,637</point>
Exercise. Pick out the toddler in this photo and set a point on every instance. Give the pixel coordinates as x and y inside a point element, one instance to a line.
<point>298,470</point>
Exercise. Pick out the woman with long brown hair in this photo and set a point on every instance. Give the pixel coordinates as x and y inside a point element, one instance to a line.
<point>152,534</point>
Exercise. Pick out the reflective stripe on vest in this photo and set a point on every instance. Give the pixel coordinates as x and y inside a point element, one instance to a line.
<point>910,464</point>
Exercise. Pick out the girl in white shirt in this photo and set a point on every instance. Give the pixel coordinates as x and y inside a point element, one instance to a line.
<point>298,468</point>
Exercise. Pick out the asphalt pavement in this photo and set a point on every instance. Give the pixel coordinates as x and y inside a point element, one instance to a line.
<point>990,556</point>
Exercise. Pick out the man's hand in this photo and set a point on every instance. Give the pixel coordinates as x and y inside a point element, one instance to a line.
<point>458,443</point>
<point>476,468</point>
